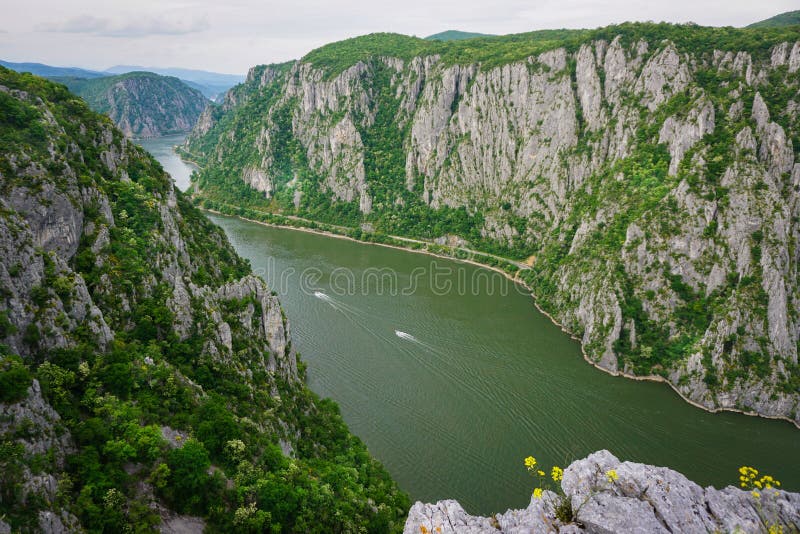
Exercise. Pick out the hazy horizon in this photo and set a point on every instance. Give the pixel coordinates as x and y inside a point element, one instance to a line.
<point>231,38</point>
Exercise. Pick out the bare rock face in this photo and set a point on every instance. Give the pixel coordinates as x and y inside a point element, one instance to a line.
<point>204,122</point>
<point>35,425</point>
<point>180,524</point>
<point>63,523</point>
<point>50,436</point>
<point>642,498</point>
<point>641,187</point>
<point>682,135</point>
<point>258,180</point>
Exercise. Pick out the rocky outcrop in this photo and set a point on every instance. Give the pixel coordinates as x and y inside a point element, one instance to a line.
<point>642,498</point>
<point>50,437</point>
<point>643,174</point>
<point>37,427</point>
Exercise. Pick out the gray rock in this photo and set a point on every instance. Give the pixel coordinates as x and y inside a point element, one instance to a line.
<point>53,523</point>
<point>641,499</point>
<point>182,524</point>
<point>35,411</point>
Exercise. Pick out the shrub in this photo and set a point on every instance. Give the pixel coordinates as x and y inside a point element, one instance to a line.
<point>15,379</point>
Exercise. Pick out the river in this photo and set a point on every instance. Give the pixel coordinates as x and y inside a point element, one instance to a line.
<point>162,149</point>
<point>451,376</point>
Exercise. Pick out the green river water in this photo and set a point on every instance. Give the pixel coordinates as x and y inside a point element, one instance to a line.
<point>451,376</point>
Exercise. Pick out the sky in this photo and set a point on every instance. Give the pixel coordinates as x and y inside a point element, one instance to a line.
<point>232,35</point>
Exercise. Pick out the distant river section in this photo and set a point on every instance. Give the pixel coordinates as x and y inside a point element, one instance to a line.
<point>162,148</point>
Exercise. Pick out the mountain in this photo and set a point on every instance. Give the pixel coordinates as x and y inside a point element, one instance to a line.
<point>455,35</point>
<point>648,172</point>
<point>790,18</point>
<point>147,378</point>
<point>211,84</point>
<point>142,104</point>
<point>48,71</point>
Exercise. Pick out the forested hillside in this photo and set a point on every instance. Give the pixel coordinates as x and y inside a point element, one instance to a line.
<point>147,377</point>
<point>141,104</point>
<point>790,18</point>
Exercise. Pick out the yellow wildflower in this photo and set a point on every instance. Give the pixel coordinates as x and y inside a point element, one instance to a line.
<point>540,473</point>
<point>537,493</point>
<point>611,475</point>
<point>530,462</point>
<point>775,529</point>
<point>755,494</point>
<point>557,474</point>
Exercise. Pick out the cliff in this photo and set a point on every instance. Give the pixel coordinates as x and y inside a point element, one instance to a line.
<point>142,104</point>
<point>648,171</point>
<point>642,498</point>
<point>147,377</point>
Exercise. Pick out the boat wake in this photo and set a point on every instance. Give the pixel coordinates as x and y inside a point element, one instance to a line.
<point>404,335</point>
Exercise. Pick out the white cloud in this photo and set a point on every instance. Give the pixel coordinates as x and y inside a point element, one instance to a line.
<point>131,27</point>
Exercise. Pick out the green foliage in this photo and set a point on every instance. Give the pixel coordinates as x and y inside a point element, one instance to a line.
<point>115,400</point>
<point>15,378</point>
<point>790,18</point>
<point>188,482</point>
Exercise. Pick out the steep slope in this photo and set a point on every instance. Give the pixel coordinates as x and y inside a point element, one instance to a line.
<point>147,377</point>
<point>647,171</point>
<point>790,18</point>
<point>141,104</point>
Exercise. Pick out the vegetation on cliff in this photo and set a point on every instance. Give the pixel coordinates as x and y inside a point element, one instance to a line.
<point>146,376</point>
<point>142,104</point>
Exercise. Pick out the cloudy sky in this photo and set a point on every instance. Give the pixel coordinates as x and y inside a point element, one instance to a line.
<point>232,35</point>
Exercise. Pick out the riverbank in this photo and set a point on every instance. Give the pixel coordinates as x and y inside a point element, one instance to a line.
<point>510,270</point>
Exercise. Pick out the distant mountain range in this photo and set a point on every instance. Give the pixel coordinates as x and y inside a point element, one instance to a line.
<point>49,71</point>
<point>210,84</point>
<point>455,35</point>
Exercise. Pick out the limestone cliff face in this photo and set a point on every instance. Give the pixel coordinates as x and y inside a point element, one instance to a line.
<point>644,498</point>
<point>657,186</point>
<point>143,104</point>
